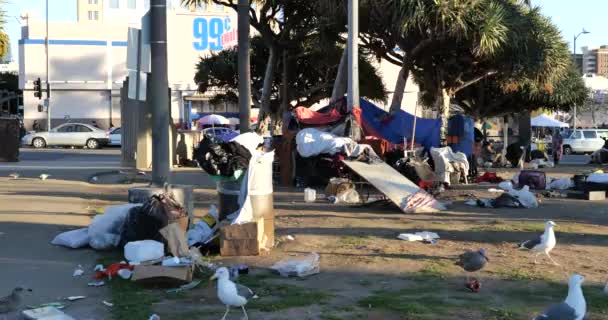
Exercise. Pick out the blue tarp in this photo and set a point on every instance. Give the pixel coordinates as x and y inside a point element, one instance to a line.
<point>463,128</point>
<point>394,128</point>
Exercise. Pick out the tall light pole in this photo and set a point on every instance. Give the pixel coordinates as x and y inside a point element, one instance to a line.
<point>243,65</point>
<point>48,85</point>
<point>158,95</point>
<point>353,57</point>
<point>574,59</point>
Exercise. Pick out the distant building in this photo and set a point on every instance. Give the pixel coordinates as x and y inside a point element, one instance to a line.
<point>595,60</point>
<point>578,62</point>
<point>90,11</point>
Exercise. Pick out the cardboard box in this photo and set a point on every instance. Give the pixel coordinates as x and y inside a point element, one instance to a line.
<point>245,239</point>
<point>589,195</point>
<point>162,276</point>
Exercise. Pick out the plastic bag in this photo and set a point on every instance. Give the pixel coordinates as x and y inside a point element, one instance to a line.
<point>561,184</point>
<point>506,185</point>
<point>145,250</point>
<point>525,197</point>
<point>301,267</point>
<point>73,239</point>
<point>105,229</point>
<point>199,234</point>
<point>348,196</point>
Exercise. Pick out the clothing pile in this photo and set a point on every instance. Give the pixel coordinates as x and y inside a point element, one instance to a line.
<point>448,162</point>
<point>219,158</point>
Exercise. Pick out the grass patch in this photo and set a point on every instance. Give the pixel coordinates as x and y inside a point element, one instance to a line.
<point>275,297</point>
<point>499,225</point>
<point>130,300</point>
<point>521,275</point>
<point>352,241</point>
<point>435,269</point>
<point>596,299</point>
<point>502,314</point>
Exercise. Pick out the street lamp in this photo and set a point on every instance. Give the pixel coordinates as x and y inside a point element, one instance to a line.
<point>574,59</point>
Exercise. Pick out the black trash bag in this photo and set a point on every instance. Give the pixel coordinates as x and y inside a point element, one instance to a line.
<point>220,158</point>
<point>506,200</point>
<point>407,169</point>
<point>145,222</point>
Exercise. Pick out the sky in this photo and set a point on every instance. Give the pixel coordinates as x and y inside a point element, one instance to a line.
<point>571,16</point>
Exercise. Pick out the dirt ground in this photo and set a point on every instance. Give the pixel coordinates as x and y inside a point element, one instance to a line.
<point>367,273</point>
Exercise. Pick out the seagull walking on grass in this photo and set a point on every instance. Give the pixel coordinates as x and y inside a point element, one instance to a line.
<point>544,243</point>
<point>573,308</point>
<point>472,261</point>
<point>231,294</point>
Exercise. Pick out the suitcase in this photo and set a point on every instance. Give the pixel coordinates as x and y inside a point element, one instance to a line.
<point>11,139</point>
<point>536,180</point>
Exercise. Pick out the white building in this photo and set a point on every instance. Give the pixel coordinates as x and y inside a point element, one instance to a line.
<point>88,65</point>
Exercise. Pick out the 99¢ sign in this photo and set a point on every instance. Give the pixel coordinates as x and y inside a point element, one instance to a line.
<point>209,33</point>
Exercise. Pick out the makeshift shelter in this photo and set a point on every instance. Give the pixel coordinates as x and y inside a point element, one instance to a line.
<point>546,121</point>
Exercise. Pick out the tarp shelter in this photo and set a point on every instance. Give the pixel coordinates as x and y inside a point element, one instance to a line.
<point>545,121</point>
<point>393,128</point>
<point>461,134</point>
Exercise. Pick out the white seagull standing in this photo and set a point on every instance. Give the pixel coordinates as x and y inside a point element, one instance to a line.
<point>544,243</point>
<point>573,308</point>
<point>44,176</point>
<point>14,176</point>
<point>230,293</point>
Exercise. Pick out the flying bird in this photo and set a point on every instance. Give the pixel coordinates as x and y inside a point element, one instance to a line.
<point>544,243</point>
<point>44,176</point>
<point>14,176</point>
<point>11,302</point>
<point>231,294</point>
<point>573,308</point>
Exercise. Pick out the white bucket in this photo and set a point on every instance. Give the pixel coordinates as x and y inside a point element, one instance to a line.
<point>310,195</point>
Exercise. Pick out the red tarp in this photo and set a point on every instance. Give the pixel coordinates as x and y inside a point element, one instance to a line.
<point>307,116</point>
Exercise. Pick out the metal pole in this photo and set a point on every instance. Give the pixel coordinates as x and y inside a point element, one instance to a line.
<point>243,65</point>
<point>414,128</point>
<point>158,97</point>
<point>353,49</point>
<point>48,85</point>
<point>574,57</point>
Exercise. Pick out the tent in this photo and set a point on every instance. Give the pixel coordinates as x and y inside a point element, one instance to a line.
<point>545,121</point>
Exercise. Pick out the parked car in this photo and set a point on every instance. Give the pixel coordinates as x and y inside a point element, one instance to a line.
<point>68,134</point>
<point>585,140</point>
<point>115,137</point>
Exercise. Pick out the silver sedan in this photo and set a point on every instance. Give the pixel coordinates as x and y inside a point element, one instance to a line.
<point>68,134</point>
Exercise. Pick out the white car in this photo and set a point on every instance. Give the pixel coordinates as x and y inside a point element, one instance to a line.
<point>585,140</point>
<point>115,137</point>
<point>68,134</point>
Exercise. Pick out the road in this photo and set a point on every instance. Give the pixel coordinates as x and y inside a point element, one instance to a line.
<point>65,164</point>
<point>575,159</point>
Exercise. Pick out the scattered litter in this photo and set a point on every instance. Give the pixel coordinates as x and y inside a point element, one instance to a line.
<point>125,273</point>
<point>236,271</point>
<point>176,262</point>
<point>112,270</point>
<point>73,239</point>
<point>188,286</point>
<point>78,271</point>
<point>561,184</point>
<point>506,185</point>
<point>154,317</point>
<point>348,196</point>
<point>426,236</point>
<point>290,237</point>
<point>108,304</point>
<point>525,197</point>
<point>299,267</point>
<point>144,250</point>
<point>57,305</point>
<point>46,313</point>
<point>310,195</point>
<point>96,284</point>
<point>105,228</point>
<point>200,233</point>
<point>99,267</point>
<point>494,190</point>
<point>74,298</point>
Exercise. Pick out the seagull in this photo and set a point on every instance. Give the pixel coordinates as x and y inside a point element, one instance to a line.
<point>14,176</point>
<point>472,261</point>
<point>230,293</point>
<point>44,176</point>
<point>11,302</point>
<point>573,308</point>
<point>544,243</point>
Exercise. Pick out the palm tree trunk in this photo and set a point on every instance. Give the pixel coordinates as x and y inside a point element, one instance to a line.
<point>444,109</point>
<point>341,78</point>
<point>400,88</point>
<point>264,119</point>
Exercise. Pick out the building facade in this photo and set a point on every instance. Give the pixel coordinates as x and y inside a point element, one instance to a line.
<point>90,11</point>
<point>595,60</point>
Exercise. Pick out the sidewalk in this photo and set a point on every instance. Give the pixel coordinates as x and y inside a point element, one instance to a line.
<point>32,212</point>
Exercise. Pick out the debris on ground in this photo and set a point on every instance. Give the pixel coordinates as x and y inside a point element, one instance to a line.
<point>426,236</point>
<point>46,313</point>
<point>144,250</point>
<point>78,271</point>
<point>298,267</point>
<point>73,239</point>
<point>188,286</point>
<point>96,284</point>
<point>74,298</point>
<point>125,273</point>
<point>57,305</point>
<point>112,270</point>
<point>154,317</point>
<point>108,304</point>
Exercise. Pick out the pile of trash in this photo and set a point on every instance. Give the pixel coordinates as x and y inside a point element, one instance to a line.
<point>227,159</point>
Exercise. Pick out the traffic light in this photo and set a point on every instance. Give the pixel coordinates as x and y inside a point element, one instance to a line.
<point>38,89</point>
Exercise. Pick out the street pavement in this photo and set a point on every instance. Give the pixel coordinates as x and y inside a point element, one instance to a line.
<point>575,159</point>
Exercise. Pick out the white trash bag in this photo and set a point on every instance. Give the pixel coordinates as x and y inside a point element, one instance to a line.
<point>105,228</point>
<point>298,267</point>
<point>145,250</point>
<point>73,239</point>
<point>561,184</point>
<point>506,185</point>
<point>525,197</point>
